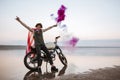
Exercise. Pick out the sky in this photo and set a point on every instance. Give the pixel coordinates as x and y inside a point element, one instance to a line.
<point>85,19</point>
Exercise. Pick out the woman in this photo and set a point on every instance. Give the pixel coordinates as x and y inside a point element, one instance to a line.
<point>39,42</point>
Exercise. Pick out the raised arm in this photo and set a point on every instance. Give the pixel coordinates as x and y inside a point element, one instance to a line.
<point>49,28</point>
<point>18,19</point>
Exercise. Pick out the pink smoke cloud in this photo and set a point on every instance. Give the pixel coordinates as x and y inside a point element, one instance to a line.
<point>61,13</point>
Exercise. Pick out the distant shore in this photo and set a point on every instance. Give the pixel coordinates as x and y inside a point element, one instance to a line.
<point>107,73</point>
<point>9,47</point>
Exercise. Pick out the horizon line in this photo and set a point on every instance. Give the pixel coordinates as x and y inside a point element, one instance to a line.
<point>24,47</point>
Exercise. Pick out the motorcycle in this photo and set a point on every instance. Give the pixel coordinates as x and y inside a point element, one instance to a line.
<point>31,62</point>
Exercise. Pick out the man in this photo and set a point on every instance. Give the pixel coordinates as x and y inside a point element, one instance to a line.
<point>39,42</point>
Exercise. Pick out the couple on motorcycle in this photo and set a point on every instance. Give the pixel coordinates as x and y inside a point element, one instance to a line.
<point>39,42</point>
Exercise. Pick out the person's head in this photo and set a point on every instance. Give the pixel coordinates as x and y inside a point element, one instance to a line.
<point>38,25</point>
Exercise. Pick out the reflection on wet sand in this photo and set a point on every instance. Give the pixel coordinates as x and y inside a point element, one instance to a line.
<point>36,75</point>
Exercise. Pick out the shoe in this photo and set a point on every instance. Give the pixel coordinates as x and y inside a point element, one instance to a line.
<point>54,69</point>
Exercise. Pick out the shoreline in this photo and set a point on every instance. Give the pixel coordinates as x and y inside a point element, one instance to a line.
<point>12,47</point>
<point>107,73</point>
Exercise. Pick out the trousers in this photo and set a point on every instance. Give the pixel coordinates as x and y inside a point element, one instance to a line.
<point>44,48</point>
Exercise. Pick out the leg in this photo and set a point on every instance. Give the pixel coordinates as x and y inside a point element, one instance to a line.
<point>38,50</point>
<point>53,68</point>
<point>43,47</point>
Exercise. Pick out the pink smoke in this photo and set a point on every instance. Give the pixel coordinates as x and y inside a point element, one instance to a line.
<point>73,41</point>
<point>61,13</point>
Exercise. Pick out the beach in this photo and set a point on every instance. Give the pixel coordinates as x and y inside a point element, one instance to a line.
<point>83,64</point>
<point>107,73</point>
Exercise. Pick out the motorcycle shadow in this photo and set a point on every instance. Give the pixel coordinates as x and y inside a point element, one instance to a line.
<point>36,75</point>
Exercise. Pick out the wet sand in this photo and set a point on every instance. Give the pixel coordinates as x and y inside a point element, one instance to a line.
<point>80,67</point>
<point>107,73</point>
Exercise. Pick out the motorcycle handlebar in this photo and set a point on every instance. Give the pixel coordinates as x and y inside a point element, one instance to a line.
<point>57,37</point>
